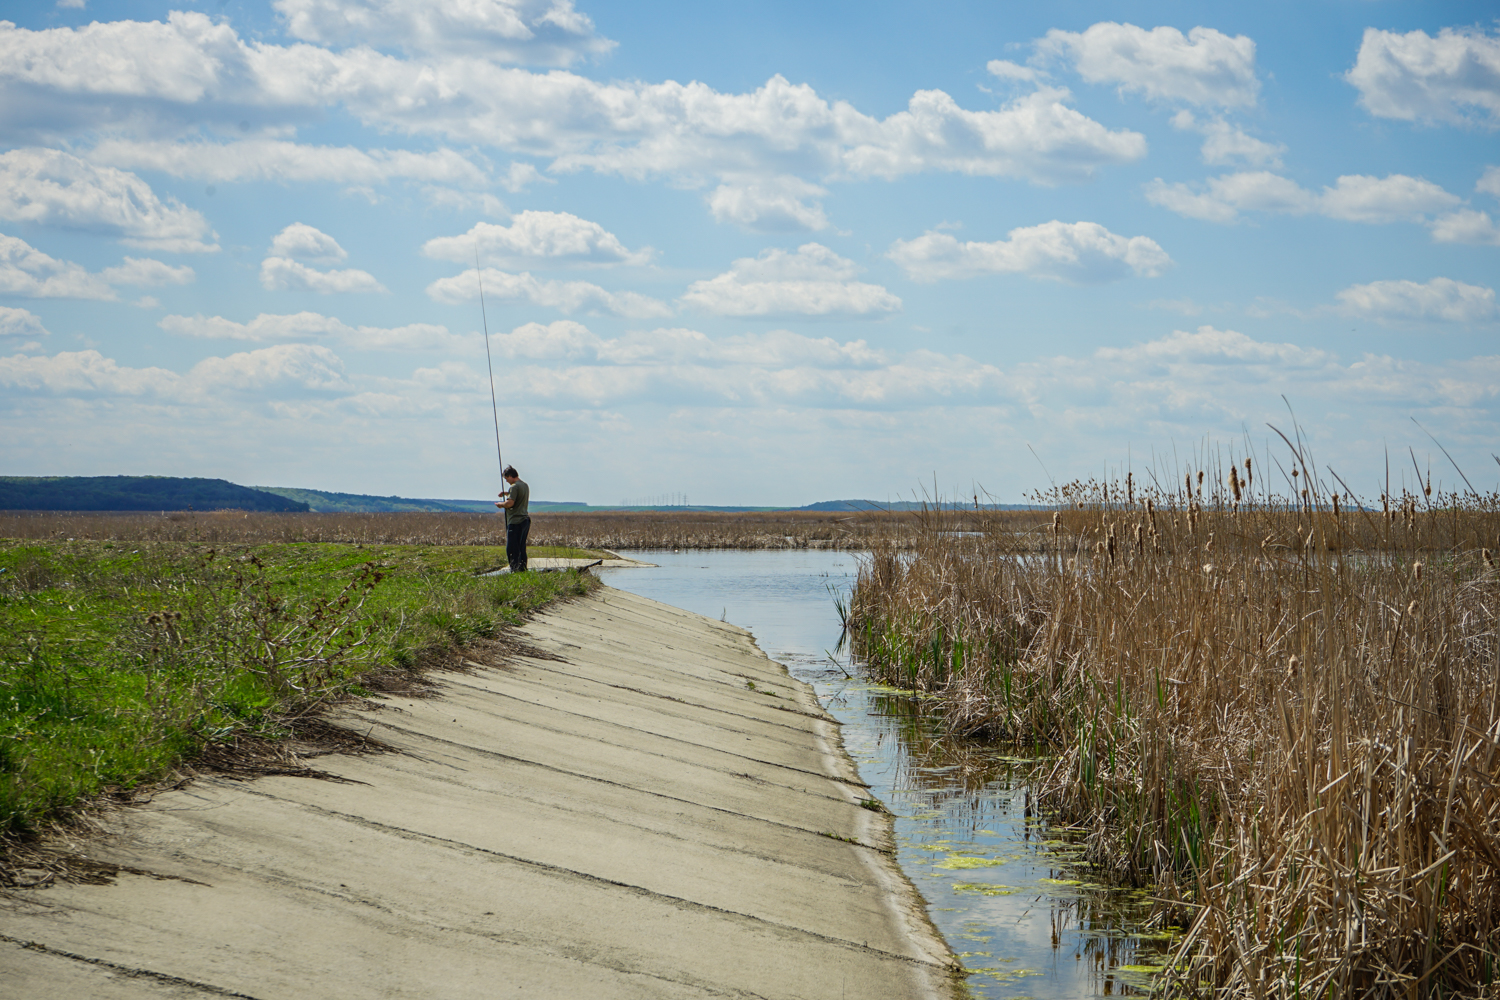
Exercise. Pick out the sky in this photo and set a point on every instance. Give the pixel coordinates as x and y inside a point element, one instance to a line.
<point>747,254</point>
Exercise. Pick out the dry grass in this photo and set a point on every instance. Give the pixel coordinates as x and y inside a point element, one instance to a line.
<point>1282,715</point>
<point>609,530</point>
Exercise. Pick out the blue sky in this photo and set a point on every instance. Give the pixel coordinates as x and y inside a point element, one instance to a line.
<point>768,254</point>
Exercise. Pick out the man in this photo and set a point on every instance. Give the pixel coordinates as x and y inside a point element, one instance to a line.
<point>517,519</point>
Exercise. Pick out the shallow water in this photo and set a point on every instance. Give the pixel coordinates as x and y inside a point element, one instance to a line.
<point>1009,896</point>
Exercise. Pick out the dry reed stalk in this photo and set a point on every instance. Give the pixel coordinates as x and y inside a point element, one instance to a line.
<point>1270,714</point>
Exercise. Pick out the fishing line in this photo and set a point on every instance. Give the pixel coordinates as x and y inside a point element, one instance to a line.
<point>494,406</point>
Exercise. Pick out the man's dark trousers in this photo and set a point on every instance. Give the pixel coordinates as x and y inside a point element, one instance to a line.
<point>515,544</point>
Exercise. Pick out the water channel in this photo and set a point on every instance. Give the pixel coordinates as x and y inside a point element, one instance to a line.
<point>1009,895</point>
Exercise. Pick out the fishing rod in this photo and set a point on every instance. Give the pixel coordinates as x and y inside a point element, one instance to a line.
<point>489,362</point>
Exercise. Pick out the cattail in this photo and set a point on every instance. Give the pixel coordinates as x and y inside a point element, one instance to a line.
<point>1111,543</point>
<point>1209,545</point>
<point>1292,665</point>
<point>1416,569</point>
<point>1140,545</point>
<point>1427,490</point>
<point>1188,481</point>
<point>1335,505</point>
<point>1489,562</point>
<point>1057,522</point>
<point>1248,477</point>
<point>1200,482</point>
<point>1234,483</point>
<point>1130,488</point>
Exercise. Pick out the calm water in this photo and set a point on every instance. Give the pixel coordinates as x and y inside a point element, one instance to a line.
<point>1010,898</point>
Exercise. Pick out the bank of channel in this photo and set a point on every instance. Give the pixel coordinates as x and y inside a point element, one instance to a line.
<point>1006,892</point>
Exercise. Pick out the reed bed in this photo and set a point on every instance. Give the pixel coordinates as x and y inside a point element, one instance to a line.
<point>591,530</point>
<point>1282,714</point>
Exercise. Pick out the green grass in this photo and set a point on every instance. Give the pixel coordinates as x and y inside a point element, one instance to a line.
<point>119,660</point>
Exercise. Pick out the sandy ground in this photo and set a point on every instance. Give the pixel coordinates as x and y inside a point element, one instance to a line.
<point>630,820</point>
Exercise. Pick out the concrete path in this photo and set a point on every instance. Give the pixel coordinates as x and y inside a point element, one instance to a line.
<point>546,563</point>
<point>632,820</point>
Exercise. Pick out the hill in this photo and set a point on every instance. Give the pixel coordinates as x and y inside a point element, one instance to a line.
<point>329,502</point>
<point>135,493</point>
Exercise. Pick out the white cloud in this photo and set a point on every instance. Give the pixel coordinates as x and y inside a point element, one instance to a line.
<point>563,339</point>
<point>1203,67</point>
<point>289,162</point>
<point>1036,137</point>
<point>537,238</point>
<point>300,241</point>
<point>813,281</point>
<point>75,373</point>
<point>548,32</point>
<point>1225,143</point>
<point>1076,252</point>
<point>269,371</point>
<point>1454,77</point>
<point>50,187</point>
<point>465,201</point>
<point>1397,198</point>
<point>564,296</point>
<point>518,176</point>
<point>148,273</point>
<point>1210,345</point>
<point>1439,299</point>
<point>769,205</point>
<point>18,323</point>
<point>26,271</point>
<point>1214,382</point>
<point>566,340</point>
<point>191,72</point>
<point>283,366</point>
<point>1489,182</point>
<point>1229,194</point>
<point>313,326</point>
<point>1004,69</point>
<point>1466,226</point>
<point>283,273</point>
<point>1353,198</point>
<point>1228,144</point>
<point>720,399</point>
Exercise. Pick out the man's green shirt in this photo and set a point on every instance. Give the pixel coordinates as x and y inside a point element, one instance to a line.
<point>521,494</point>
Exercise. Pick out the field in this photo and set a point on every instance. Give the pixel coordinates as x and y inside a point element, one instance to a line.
<point>120,661</point>
<point>1282,715</point>
<point>622,530</point>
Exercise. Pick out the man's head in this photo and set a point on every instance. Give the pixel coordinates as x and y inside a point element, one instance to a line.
<point>510,474</point>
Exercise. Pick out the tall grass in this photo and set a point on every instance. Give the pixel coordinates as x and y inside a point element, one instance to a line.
<point>1282,714</point>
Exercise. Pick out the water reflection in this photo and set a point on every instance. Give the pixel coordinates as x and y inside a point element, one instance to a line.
<point>1009,893</point>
